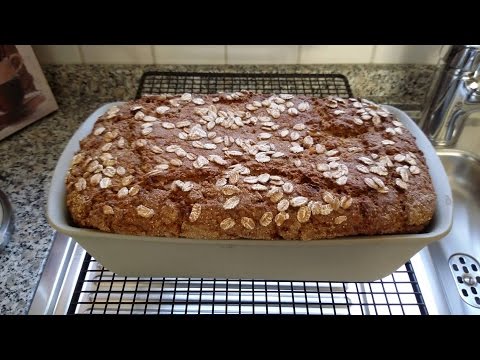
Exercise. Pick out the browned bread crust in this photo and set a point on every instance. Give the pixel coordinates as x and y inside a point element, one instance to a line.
<point>250,166</point>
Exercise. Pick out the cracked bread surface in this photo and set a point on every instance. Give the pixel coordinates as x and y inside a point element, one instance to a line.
<point>249,166</point>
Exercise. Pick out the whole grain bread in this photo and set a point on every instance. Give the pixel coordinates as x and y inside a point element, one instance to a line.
<point>250,166</point>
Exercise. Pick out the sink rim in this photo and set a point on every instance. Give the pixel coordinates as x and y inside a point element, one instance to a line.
<point>433,261</point>
<point>458,153</point>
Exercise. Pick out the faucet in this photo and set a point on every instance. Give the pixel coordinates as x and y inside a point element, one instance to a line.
<point>453,96</point>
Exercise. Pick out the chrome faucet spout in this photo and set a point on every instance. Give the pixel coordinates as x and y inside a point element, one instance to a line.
<point>453,96</point>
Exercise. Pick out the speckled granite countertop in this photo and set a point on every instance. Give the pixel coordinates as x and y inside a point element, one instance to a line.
<point>28,158</point>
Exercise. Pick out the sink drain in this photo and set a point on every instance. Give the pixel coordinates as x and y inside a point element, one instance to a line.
<point>466,272</point>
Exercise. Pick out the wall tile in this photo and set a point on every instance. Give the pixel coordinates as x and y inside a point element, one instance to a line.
<point>117,54</point>
<point>57,54</point>
<point>336,54</point>
<point>262,54</point>
<point>189,54</point>
<point>239,54</point>
<point>407,54</point>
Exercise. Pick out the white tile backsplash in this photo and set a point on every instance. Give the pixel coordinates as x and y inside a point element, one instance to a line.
<point>189,54</point>
<point>262,54</point>
<point>407,54</point>
<point>336,54</point>
<point>57,54</point>
<point>117,54</point>
<point>239,54</point>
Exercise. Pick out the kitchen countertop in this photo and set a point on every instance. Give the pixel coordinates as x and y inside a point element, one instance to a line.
<point>28,157</point>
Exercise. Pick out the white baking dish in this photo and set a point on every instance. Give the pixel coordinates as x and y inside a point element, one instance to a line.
<point>357,258</point>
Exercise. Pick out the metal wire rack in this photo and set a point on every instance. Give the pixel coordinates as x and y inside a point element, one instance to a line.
<point>100,291</point>
<point>207,83</point>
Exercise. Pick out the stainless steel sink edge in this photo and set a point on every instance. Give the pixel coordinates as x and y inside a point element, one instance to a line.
<point>59,277</point>
<point>432,290</point>
<point>432,262</point>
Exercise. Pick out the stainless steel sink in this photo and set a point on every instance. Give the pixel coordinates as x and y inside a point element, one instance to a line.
<point>451,265</point>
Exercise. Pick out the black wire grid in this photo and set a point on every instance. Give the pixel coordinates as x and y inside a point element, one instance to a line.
<point>100,291</point>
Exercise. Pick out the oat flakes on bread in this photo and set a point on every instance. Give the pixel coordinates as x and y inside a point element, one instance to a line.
<point>250,166</point>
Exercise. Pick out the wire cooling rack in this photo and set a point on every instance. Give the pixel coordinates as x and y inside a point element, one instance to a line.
<point>207,83</point>
<point>100,291</point>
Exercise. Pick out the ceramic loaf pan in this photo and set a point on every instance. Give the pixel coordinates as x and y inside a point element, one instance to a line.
<point>357,258</point>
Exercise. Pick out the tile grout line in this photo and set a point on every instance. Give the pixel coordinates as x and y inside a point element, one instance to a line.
<point>374,53</point>
<point>82,56</point>
<point>154,58</point>
<point>299,54</point>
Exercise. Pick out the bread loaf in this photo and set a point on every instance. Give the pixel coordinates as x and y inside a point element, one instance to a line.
<point>249,166</point>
